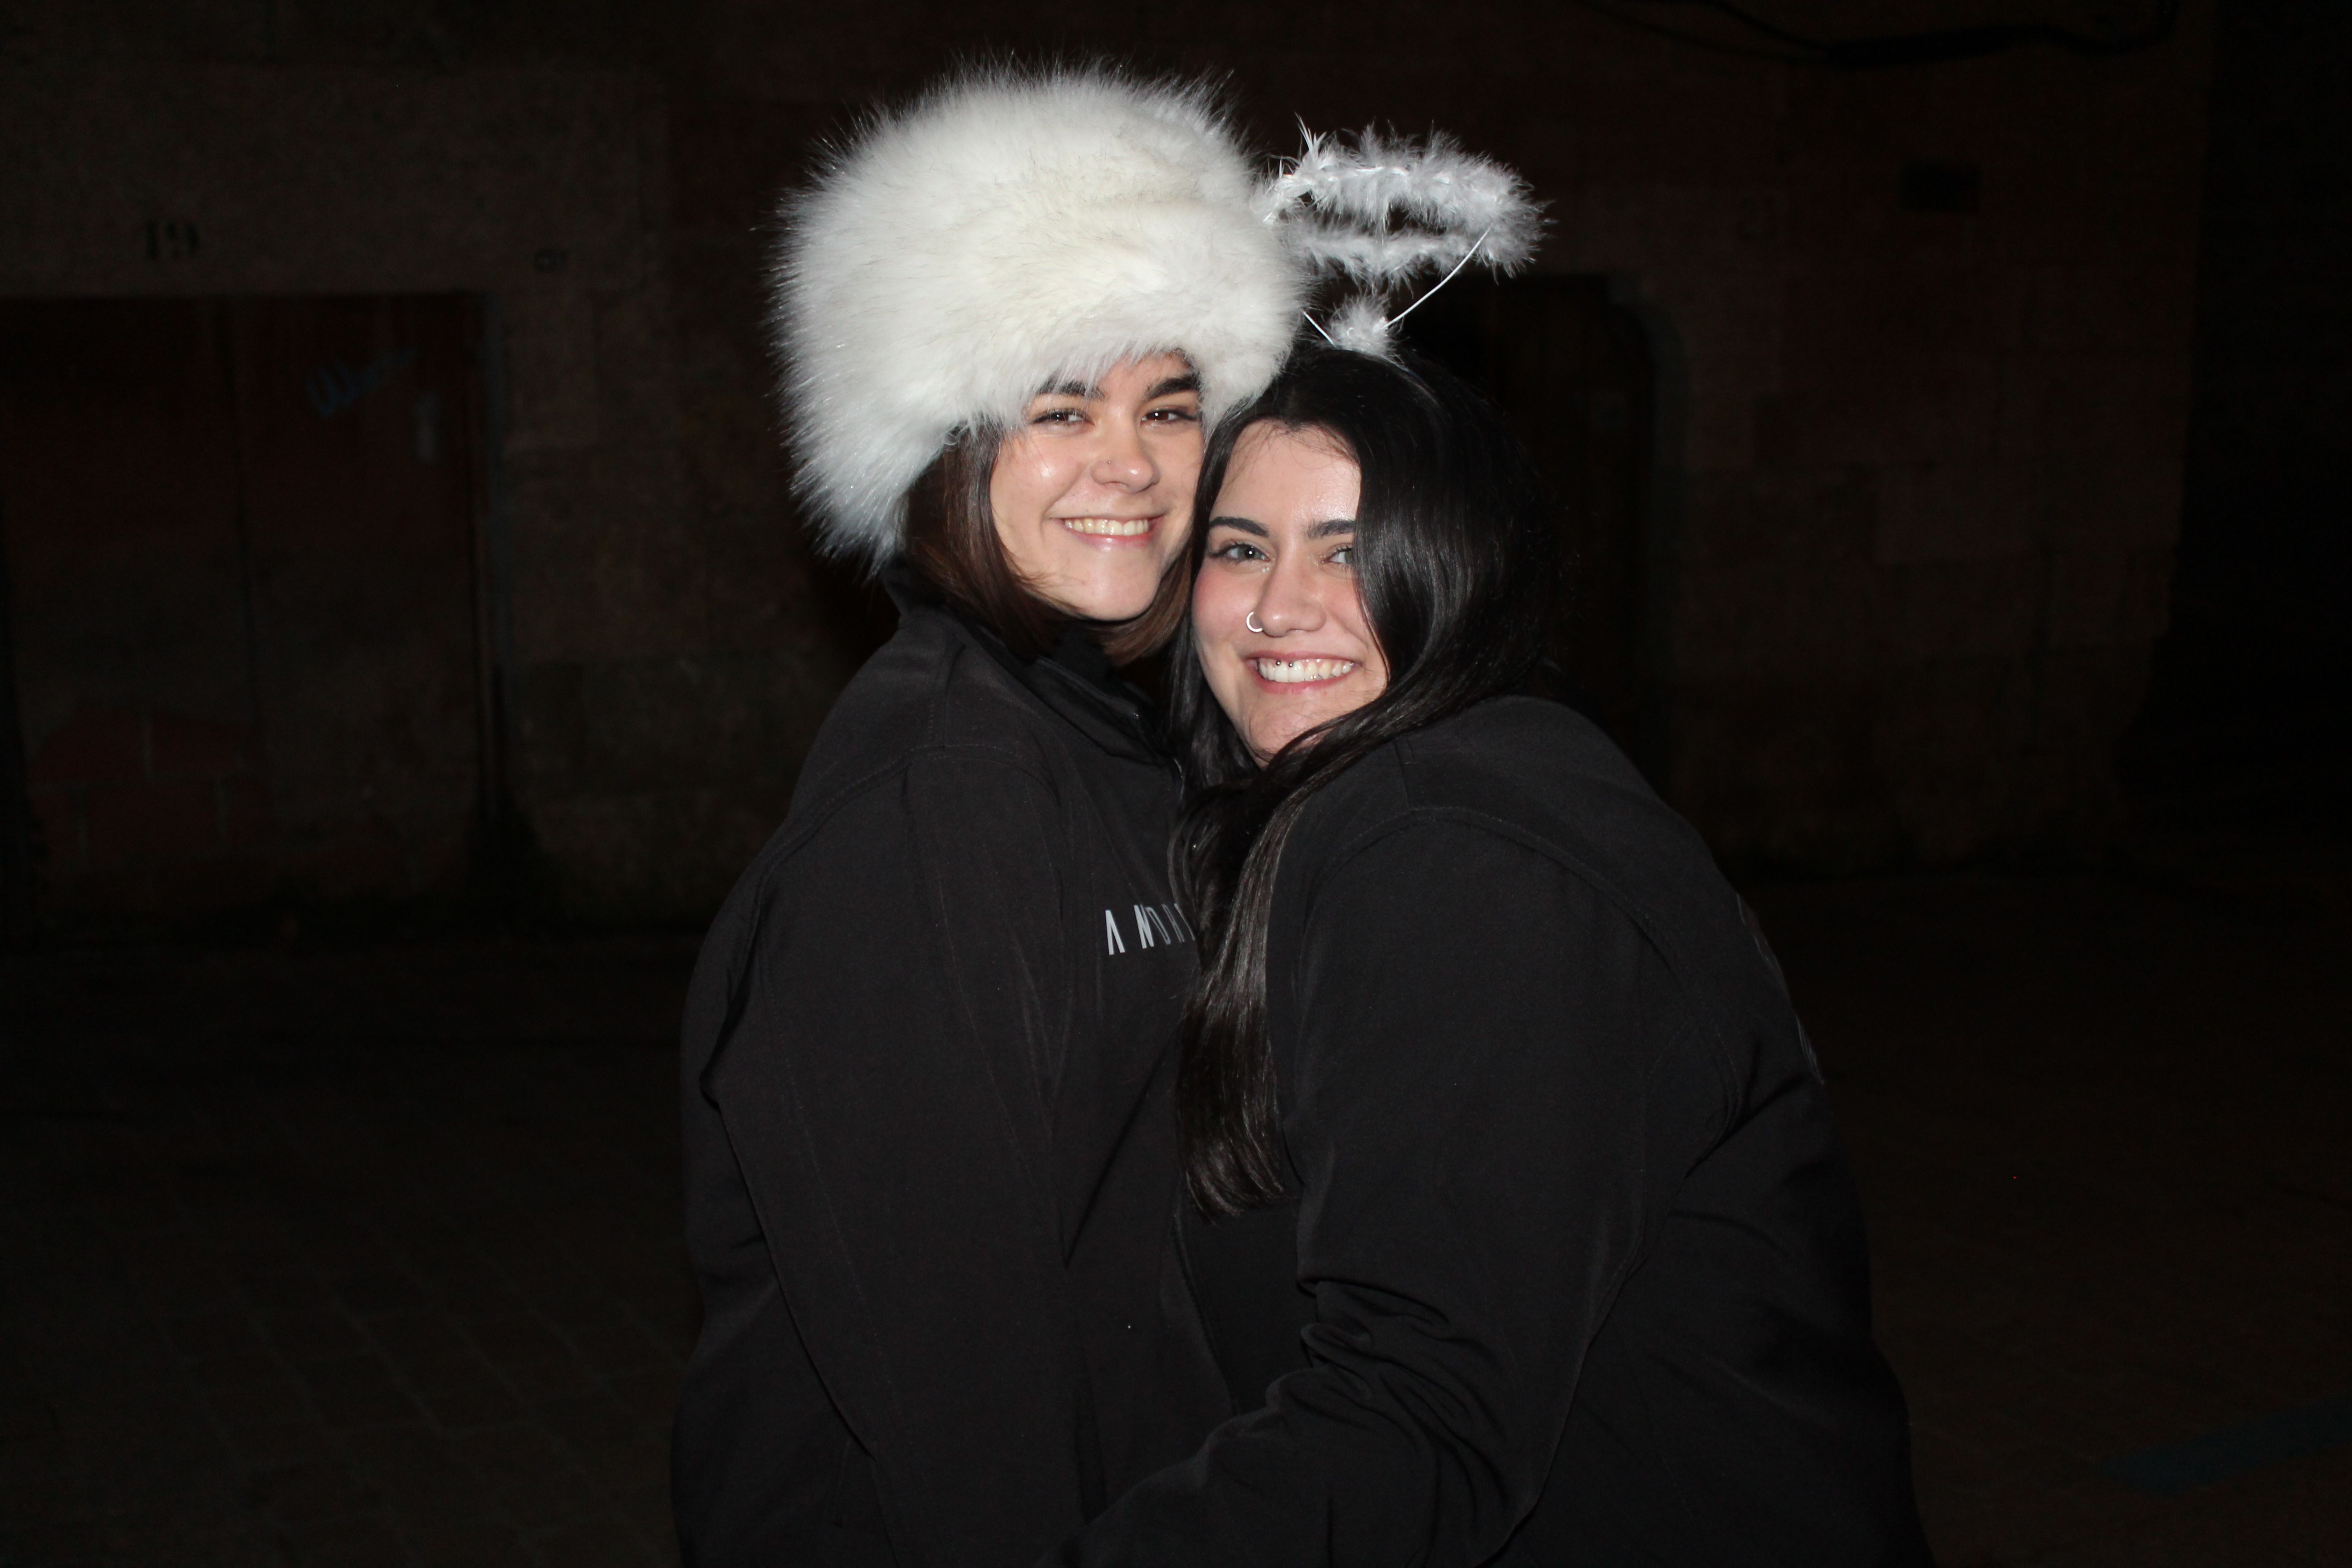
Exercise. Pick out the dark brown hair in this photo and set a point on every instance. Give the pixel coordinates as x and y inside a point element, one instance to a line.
<point>952,540</point>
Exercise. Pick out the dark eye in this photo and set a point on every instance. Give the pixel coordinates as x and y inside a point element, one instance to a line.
<point>1060,417</point>
<point>1174,416</point>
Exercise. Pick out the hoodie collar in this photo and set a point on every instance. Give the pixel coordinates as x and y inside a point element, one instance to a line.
<point>1075,678</point>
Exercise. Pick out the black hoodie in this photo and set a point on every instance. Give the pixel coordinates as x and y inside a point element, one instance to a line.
<point>930,1148</point>
<point>1578,1261</point>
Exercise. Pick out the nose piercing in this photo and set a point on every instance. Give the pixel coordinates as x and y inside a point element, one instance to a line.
<point>1250,621</point>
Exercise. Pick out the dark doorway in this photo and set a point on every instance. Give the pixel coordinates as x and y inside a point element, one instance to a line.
<point>240,548</point>
<point>1570,368</point>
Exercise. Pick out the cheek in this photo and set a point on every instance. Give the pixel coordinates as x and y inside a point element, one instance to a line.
<point>1375,668</point>
<point>1218,602</point>
<point>1025,483</point>
<point>1179,460</point>
<point>1174,532</point>
<point>1216,610</point>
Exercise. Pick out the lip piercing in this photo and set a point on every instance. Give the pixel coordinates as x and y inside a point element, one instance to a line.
<point>1250,621</point>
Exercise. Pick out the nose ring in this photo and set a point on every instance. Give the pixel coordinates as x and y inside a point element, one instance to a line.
<point>1250,621</point>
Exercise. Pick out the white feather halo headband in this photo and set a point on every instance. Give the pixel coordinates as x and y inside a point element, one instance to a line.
<point>1382,209</point>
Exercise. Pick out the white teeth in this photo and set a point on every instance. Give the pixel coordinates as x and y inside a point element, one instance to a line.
<point>1289,671</point>
<point>1113,527</point>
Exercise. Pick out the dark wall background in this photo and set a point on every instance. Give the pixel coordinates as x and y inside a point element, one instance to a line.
<point>1919,342</point>
<point>2249,721</point>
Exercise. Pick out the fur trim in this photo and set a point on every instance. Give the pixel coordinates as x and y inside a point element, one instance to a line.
<point>1011,230</point>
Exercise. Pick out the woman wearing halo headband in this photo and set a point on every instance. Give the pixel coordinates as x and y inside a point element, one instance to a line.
<point>1534,1241</point>
<point>930,1148</point>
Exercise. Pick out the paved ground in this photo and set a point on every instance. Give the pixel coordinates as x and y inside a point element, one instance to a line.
<point>2104,1136</point>
<point>364,1257</point>
<point>370,1256</point>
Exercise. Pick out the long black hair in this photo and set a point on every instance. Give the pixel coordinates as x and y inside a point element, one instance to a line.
<point>1456,560</point>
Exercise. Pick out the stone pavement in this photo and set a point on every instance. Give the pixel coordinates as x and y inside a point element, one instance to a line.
<point>372,1256</point>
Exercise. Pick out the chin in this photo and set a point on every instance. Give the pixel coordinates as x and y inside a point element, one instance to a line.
<point>1121,600</point>
<point>1268,745</point>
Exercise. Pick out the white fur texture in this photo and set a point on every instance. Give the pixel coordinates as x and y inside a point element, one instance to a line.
<point>1011,231</point>
<point>1358,325</point>
<point>1383,209</point>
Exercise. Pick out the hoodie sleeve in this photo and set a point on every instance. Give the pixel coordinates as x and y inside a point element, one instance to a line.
<point>1483,1107</point>
<point>885,1086</point>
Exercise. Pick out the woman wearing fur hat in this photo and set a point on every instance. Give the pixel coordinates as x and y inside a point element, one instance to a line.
<point>930,1152</point>
<point>1534,1218</point>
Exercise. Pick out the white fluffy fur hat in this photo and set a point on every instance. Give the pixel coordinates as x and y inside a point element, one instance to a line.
<point>1011,230</point>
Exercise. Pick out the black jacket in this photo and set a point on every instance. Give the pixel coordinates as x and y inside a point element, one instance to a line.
<point>1583,1265</point>
<point>929,1149</point>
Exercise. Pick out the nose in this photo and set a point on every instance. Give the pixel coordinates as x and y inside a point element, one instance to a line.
<point>1123,462</point>
<point>1292,599</point>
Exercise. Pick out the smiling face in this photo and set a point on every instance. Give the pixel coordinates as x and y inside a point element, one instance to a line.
<point>1280,556</point>
<point>1093,494</point>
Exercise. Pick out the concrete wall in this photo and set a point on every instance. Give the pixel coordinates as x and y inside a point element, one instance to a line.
<point>1919,471</point>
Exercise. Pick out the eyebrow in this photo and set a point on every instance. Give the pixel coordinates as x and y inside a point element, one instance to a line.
<point>1323,530</point>
<point>1168,388</point>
